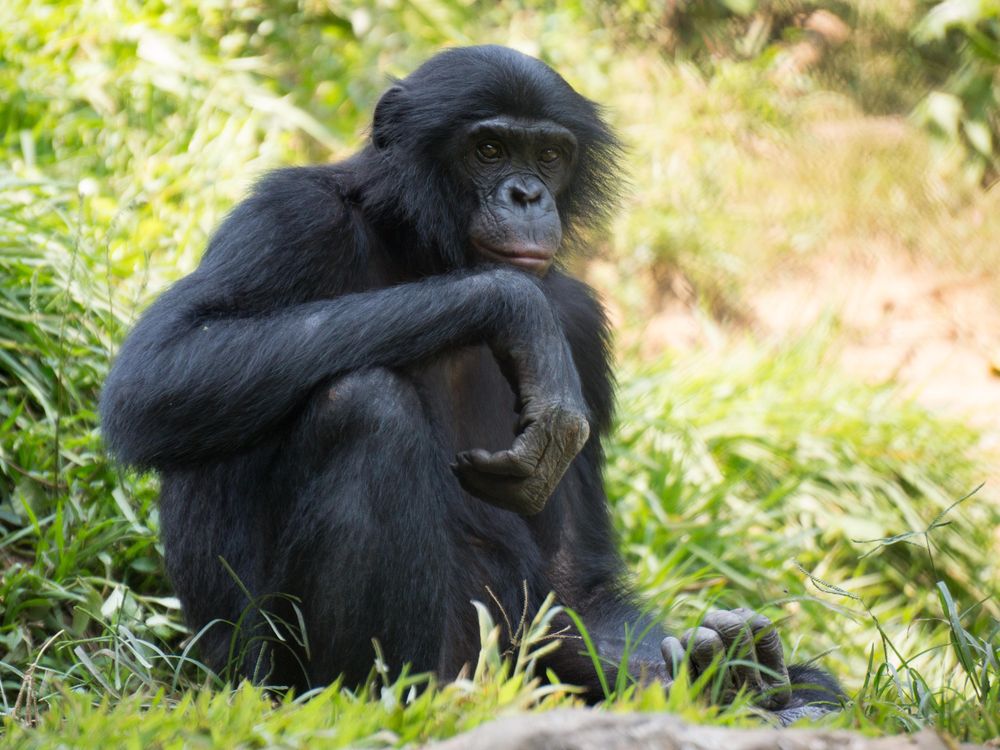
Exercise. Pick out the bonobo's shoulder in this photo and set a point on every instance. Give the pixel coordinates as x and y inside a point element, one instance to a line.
<point>319,184</point>
<point>292,212</point>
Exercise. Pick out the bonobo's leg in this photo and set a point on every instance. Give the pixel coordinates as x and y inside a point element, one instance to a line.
<point>219,526</point>
<point>365,547</point>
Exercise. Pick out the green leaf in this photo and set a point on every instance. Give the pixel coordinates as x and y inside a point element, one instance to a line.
<point>943,111</point>
<point>951,14</point>
<point>740,7</point>
<point>979,135</point>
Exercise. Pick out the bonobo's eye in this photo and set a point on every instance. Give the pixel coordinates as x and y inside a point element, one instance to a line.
<point>549,155</point>
<point>489,150</point>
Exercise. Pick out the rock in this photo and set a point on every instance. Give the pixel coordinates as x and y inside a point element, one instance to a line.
<point>586,729</point>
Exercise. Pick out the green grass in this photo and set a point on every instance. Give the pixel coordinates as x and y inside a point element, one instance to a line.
<point>768,477</point>
<point>752,475</point>
<point>731,477</point>
<point>739,180</point>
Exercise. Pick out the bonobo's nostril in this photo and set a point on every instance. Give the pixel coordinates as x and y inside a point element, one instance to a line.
<point>524,195</point>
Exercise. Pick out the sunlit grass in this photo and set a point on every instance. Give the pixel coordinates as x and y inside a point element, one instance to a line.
<point>738,480</point>
<point>846,511</point>
<point>753,475</point>
<point>739,176</point>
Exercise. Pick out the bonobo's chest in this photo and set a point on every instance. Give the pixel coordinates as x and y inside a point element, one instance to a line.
<point>470,399</point>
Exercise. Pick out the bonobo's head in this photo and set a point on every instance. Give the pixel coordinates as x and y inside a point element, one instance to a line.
<point>487,155</point>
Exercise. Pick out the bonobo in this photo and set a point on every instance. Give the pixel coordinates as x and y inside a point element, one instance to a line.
<point>379,395</point>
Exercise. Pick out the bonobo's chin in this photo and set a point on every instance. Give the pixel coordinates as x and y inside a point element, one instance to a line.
<point>534,258</point>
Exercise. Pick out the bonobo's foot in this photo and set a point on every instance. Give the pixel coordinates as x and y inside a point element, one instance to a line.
<point>751,640</point>
<point>523,478</point>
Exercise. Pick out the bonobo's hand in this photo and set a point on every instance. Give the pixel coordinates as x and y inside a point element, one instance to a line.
<point>739,635</point>
<point>523,478</point>
<point>553,428</point>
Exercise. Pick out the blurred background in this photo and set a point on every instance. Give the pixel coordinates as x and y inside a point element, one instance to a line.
<point>804,280</point>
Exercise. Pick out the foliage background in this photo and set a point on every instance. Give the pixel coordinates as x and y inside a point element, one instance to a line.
<point>127,129</point>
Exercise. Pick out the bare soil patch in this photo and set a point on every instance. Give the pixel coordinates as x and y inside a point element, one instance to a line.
<point>931,331</point>
<point>934,332</point>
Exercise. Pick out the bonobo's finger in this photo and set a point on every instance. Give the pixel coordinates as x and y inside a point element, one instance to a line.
<point>523,478</point>
<point>502,462</point>
<point>542,445</point>
<point>770,656</point>
<point>673,654</point>
<point>767,644</point>
<point>739,646</point>
<point>524,495</point>
<point>704,645</point>
<point>503,491</point>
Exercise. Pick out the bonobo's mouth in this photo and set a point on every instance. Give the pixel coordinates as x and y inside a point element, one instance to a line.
<point>534,258</point>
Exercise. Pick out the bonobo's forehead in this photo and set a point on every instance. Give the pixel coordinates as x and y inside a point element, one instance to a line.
<point>521,128</point>
<point>462,68</point>
<point>470,83</point>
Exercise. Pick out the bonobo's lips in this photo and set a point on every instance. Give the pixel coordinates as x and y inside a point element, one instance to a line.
<point>536,258</point>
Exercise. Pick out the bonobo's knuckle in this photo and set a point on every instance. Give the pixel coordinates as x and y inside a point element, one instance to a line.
<point>573,431</point>
<point>703,642</point>
<point>581,428</point>
<point>570,409</point>
<point>760,624</point>
<point>728,624</point>
<point>753,619</point>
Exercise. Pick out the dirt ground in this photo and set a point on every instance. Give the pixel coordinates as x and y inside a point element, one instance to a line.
<point>934,333</point>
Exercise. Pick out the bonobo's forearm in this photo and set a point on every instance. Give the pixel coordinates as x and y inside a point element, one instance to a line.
<point>187,385</point>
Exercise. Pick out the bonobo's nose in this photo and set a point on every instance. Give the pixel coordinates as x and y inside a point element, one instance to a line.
<point>525,192</point>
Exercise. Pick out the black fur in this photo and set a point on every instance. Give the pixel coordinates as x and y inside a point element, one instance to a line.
<point>303,392</point>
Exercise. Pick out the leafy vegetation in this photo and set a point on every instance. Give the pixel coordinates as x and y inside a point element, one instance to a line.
<point>940,56</point>
<point>128,128</point>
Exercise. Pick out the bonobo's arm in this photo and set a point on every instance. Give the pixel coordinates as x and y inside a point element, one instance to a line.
<point>228,352</point>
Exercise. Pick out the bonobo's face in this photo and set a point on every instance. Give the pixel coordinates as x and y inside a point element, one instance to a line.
<point>517,168</point>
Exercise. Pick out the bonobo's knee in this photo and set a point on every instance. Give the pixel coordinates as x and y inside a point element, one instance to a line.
<point>376,397</point>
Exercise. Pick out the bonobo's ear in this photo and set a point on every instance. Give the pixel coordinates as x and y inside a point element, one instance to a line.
<point>385,115</point>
